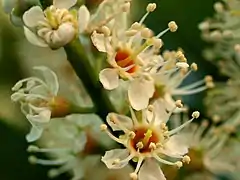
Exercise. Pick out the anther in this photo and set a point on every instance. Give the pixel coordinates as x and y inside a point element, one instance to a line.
<point>133,176</point>
<point>32,159</point>
<point>136,26</point>
<point>151,7</point>
<point>183,65</point>
<point>179,164</point>
<point>179,104</point>
<point>194,67</point>
<point>195,114</point>
<point>106,31</point>
<point>172,26</point>
<point>132,134</point>
<point>103,127</point>
<point>157,43</point>
<point>139,145</point>
<point>32,148</point>
<point>186,159</point>
<point>218,7</point>
<point>146,33</point>
<point>152,146</point>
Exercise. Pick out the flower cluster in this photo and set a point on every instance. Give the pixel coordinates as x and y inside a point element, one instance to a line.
<point>131,54</point>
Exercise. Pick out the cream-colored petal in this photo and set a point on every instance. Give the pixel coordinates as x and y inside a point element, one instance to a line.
<point>109,78</point>
<point>161,115</point>
<point>139,93</point>
<point>122,121</point>
<point>176,146</point>
<point>50,78</point>
<point>33,38</point>
<point>34,134</point>
<point>64,4</point>
<point>83,18</point>
<point>150,170</point>
<point>111,157</point>
<point>40,119</point>
<point>33,16</point>
<point>98,42</point>
<point>66,33</point>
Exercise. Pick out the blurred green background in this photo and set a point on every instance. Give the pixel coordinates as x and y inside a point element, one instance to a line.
<point>16,53</point>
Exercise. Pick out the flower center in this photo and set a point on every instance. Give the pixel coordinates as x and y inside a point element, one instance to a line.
<point>143,139</point>
<point>55,17</point>
<point>123,59</point>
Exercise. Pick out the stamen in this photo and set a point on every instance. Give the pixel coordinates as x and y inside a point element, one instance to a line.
<point>103,127</point>
<point>34,160</point>
<point>195,115</point>
<point>33,148</point>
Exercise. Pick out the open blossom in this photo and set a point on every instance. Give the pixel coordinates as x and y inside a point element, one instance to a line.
<point>71,143</point>
<point>211,149</point>
<point>132,55</point>
<point>165,82</point>
<point>126,50</point>
<point>146,140</point>
<point>55,26</point>
<point>39,100</point>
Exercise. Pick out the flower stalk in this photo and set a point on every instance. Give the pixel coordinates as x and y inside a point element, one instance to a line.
<point>81,64</point>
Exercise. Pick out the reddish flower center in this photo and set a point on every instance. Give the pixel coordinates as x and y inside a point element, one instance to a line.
<point>123,59</point>
<point>146,137</point>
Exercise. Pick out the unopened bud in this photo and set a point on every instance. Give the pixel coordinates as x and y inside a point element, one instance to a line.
<point>218,7</point>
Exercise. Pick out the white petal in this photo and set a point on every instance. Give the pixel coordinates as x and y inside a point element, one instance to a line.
<point>83,18</point>
<point>33,38</point>
<point>40,89</point>
<point>109,78</point>
<point>150,170</point>
<point>40,119</point>
<point>64,4</point>
<point>123,121</point>
<point>33,16</point>
<point>176,146</point>
<point>160,112</point>
<point>65,34</point>
<point>98,42</point>
<point>80,142</point>
<point>116,154</point>
<point>50,78</point>
<point>139,93</point>
<point>34,134</point>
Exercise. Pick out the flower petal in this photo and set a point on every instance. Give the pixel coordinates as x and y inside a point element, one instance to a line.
<point>33,16</point>
<point>150,170</point>
<point>33,38</point>
<point>66,33</point>
<point>98,42</point>
<point>113,155</point>
<point>109,78</point>
<point>34,134</point>
<point>40,119</point>
<point>50,78</point>
<point>176,146</point>
<point>83,18</point>
<point>139,93</point>
<point>122,120</point>
<point>64,4</point>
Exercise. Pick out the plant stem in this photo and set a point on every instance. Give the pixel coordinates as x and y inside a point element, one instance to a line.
<point>81,64</point>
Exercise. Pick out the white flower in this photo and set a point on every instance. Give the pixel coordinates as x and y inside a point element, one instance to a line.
<point>70,142</point>
<point>56,26</point>
<point>146,140</point>
<point>211,148</point>
<point>37,97</point>
<point>165,81</point>
<point>130,51</point>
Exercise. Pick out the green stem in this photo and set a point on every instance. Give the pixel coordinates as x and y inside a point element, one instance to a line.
<point>81,64</point>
